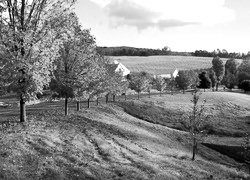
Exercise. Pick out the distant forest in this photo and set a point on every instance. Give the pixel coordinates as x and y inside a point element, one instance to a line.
<point>132,51</point>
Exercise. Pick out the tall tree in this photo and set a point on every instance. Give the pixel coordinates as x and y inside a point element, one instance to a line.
<point>243,71</point>
<point>194,78</point>
<point>230,80</point>
<point>183,81</point>
<point>231,66</point>
<point>205,82</point>
<point>170,84</point>
<point>76,64</point>
<point>230,77</point>
<point>116,84</point>
<point>196,121</point>
<point>212,77</point>
<point>150,86</point>
<point>160,84</point>
<point>30,35</point>
<point>139,82</point>
<point>99,86</point>
<point>166,49</point>
<point>219,69</point>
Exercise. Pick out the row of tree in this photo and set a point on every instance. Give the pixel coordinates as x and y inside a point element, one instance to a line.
<point>231,74</point>
<point>43,46</point>
<point>31,34</point>
<point>131,51</point>
<point>221,53</point>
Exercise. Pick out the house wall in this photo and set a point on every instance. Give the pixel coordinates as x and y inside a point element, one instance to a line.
<point>163,76</point>
<point>175,73</point>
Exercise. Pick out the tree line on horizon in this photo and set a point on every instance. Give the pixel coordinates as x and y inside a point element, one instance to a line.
<point>132,51</point>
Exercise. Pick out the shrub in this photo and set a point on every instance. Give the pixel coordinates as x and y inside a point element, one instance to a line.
<point>241,77</point>
<point>245,85</point>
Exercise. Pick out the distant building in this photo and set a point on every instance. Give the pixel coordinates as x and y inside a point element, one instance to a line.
<point>116,67</point>
<point>170,73</point>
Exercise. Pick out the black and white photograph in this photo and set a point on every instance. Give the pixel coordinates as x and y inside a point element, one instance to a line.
<point>124,90</point>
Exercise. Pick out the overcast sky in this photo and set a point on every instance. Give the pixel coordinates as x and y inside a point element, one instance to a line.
<point>183,25</point>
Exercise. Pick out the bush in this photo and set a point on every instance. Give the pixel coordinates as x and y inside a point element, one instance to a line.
<point>245,85</point>
<point>241,77</point>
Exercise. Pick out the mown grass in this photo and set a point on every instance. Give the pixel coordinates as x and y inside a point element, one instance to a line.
<point>90,145</point>
<point>153,114</point>
<point>52,146</point>
<point>235,152</point>
<point>228,114</point>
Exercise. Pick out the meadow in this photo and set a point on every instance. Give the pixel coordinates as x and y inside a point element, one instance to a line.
<point>164,64</point>
<point>133,139</point>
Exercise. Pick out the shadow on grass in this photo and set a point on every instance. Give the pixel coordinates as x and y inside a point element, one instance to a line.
<point>153,114</point>
<point>234,152</point>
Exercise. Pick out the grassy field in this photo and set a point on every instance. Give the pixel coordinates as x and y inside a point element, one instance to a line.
<point>229,113</point>
<point>163,64</point>
<point>125,140</point>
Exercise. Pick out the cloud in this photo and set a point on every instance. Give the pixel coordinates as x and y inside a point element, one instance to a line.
<point>163,14</point>
<point>130,11</point>
<point>162,24</point>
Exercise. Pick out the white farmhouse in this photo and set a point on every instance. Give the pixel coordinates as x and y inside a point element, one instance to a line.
<point>120,67</point>
<point>170,73</point>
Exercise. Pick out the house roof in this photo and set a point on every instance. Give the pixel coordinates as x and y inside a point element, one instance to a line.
<point>118,66</point>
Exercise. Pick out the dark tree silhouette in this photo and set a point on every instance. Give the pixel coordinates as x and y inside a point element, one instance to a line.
<point>205,82</point>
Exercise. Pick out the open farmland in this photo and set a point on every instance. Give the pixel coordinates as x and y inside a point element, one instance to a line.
<point>164,64</point>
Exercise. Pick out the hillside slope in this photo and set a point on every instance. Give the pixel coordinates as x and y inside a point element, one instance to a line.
<point>103,143</point>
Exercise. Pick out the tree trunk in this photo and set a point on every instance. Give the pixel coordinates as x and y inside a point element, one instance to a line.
<point>183,91</point>
<point>160,93</point>
<point>107,98</point>
<point>138,95</point>
<point>113,98</point>
<point>204,90</point>
<point>66,107</point>
<point>97,101</point>
<point>78,106</point>
<point>22,110</point>
<point>217,85</point>
<point>194,148</point>
<point>88,102</point>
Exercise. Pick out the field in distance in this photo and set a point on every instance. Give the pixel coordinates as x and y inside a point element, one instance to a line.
<point>163,64</point>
